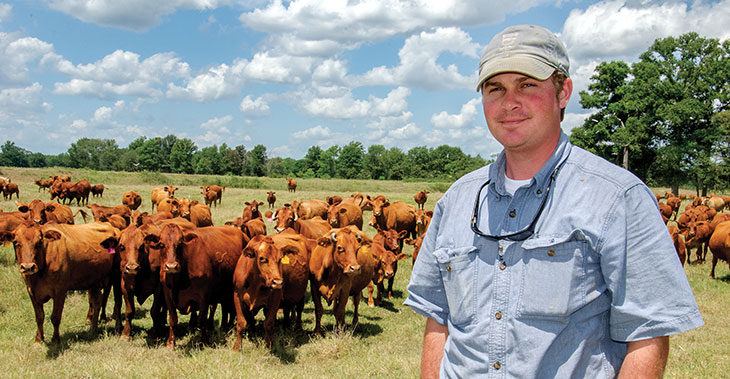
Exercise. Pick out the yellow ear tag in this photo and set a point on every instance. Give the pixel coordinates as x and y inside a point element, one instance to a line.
<point>285,260</point>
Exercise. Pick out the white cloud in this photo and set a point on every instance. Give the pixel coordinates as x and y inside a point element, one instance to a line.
<point>218,124</point>
<point>573,120</point>
<point>22,106</point>
<point>466,117</point>
<point>418,62</point>
<point>405,132</point>
<point>347,107</point>
<point>218,82</point>
<point>278,69</point>
<point>5,12</point>
<point>16,53</point>
<point>137,15</point>
<point>257,108</point>
<point>312,133</point>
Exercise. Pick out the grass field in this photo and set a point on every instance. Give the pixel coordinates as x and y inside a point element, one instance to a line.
<point>386,342</point>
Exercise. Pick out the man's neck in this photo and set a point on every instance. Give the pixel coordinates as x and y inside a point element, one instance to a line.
<point>521,165</point>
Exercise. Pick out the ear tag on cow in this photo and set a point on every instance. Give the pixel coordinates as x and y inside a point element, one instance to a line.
<point>111,250</point>
<point>6,243</point>
<point>285,260</point>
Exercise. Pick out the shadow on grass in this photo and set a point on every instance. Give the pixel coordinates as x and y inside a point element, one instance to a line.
<point>725,278</point>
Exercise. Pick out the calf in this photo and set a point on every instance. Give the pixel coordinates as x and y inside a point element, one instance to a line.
<point>161,193</point>
<point>271,198</point>
<point>132,200</point>
<point>697,235</point>
<point>213,194</point>
<point>383,247</point>
<point>97,190</point>
<point>198,271</point>
<point>196,212</point>
<point>55,259</point>
<point>421,197</point>
<point>342,215</point>
<point>423,218</point>
<point>284,218</point>
<point>679,243</point>
<point>251,211</point>
<point>9,189</point>
<point>291,184</point>
<point>44,184</point>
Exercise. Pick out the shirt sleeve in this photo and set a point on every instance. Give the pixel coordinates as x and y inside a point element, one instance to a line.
<point>426,294</point>
<point>651,296</point>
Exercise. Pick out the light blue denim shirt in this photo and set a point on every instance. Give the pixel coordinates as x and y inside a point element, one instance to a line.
<point>599,271</point>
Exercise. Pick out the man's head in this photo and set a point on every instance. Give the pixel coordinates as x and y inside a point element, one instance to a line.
<point>525,49</point>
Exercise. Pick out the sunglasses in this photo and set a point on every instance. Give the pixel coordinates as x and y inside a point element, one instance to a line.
<point>522,234</point>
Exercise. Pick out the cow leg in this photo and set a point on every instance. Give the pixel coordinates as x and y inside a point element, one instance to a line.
<point>371,302</point>
<point>96,302</point>
<point>211,319</point>
<point>339,310</point>
<point>391,280</point>
<point>203,318</point>
<point>356,303</point>
<point>172,318</point>
<point>58,302</point>
<point>40,316</point>
<point>117,312</point>
<point>712,270</point>
<point>271,310</point>
<point>241,324</point>
<point>299,310</point>
<point>157,312</point>
<point>318,310</point>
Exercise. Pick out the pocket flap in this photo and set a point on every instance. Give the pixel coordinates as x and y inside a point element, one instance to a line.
<point>447,255</point>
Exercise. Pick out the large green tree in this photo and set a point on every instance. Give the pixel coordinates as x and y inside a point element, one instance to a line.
<point>181,156</point>
<point>350,161</point>
<point>93,153</point>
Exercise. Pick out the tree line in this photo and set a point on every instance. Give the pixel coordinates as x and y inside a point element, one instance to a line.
<point>180,155</point>
<point>665,117</point>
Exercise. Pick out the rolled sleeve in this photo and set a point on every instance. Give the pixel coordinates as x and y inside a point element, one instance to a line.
<point>642,269</point>
<point>426,294</point>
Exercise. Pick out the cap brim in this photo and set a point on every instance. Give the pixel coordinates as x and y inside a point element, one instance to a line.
<point>525,65</point>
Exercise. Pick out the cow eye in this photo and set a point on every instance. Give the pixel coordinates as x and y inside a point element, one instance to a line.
<point>340,249</point>
<point>120,247</point>
<point>263,260</point>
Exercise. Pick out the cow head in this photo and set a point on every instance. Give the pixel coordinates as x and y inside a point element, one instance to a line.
<point>379,203</point>
<point>284,218</point>
<point>171,190</point>
<point>389,238</point>
<point>251,210</point>
<point>30,247</point>
<point>333,215</point>
<point>267,260</point>
<point>169,241</point>
<point>132,200</point>
<point>338,249</point>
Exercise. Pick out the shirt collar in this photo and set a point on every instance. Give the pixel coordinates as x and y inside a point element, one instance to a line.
<point>497,169</point>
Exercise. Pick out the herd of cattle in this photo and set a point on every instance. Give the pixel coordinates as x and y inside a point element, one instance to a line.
<point>702,225</point>
<point>185,264</point>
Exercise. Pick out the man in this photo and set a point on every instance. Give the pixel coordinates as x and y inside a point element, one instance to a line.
<point>561,266</point>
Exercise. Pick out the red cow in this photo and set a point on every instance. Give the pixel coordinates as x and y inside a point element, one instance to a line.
<point>398,216</point>
<point>213,194</point>
<point>132,200</point>
<point>171,205</point>
<point>291,184</point>
<point>44,184</point>
<point>384,248</point>
<point>43,213</point>
<point>97,190</point>
<point>674,203</point>
<point>271,198</point>
<point>697,235</point>
<point>333,265</point>
<point>423,218</point>
<point>195,212</point>
<point>251,211</point>
<point>310,208</point>
<point>254,227</point>
<point>161,193</point>
<point>10,189</point>
<point>55,259</point>
<point>295,271</point>
<point>284,218</point>
<point>198,271</point>
<point>416,246</point>
<point>421,197</point>
<point>312,228</point>
<point>720,245</point>
<point>342,215</point>
<point>666,211</point>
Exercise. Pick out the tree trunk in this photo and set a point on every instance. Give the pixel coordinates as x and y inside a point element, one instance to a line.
<point>704,191</point>
<point>626,157</point>
<point>675,189</point>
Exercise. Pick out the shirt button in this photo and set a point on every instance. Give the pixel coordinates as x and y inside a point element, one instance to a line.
<point>448,267</point>
<point>512,213</point>
<point>502,266</point>
<point>498,316</point>
<point>539,192</point>
<point>497,366</point>
<point>551,252</point>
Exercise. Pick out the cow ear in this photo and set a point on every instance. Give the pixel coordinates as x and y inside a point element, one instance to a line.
<point>287,205</point>
<point>401,256</point>
<point>247,203</point>
<point>189,238</point>
<point>50,207</point>
<point>290,250</point>
<point>402,233</point>
<point>52,235</point>
<point>23,207</point>
<point>324,241</point>
<point>6,237</point>
<point>109,243</point>
<point>249,252</point>
<point>409,241</point>
<point>429,213</point>
<point>386,203</point>
<point>343,210</point>
<point>195,202</point>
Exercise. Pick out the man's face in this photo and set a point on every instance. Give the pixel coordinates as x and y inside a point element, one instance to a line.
<point>523,113</point>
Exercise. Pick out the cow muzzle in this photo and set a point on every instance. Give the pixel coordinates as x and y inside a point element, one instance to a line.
<point>352,269</point>
<point>276,284</point>
<point>131,269</point>
<point>28,268</point>
<point>172,268</point>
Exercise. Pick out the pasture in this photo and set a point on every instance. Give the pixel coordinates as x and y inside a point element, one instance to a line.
<point>386,342</point>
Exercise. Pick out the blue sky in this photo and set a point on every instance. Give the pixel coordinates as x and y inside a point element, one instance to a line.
<point>292,74</point>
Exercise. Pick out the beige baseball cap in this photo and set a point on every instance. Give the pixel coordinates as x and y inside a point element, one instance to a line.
<point>526,49</point>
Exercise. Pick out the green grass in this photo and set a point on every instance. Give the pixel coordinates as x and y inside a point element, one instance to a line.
<point>386,343</point>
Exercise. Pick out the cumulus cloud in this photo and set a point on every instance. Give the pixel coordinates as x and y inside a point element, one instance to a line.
<point>312,133</point>
<point>218,82</point>
<point>17,53</point>
<point>137,15</point>
<point>278,69</point>
<point>22,106</point>
<point>418,62</point>
<point>5,12</point>
<point>467,116</point>
<point>218,124</point>
<point>347,107</point>
<point>257,108</point>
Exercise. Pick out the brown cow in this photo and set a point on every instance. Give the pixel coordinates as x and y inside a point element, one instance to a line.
<point>97,190</point>
<point>195,212</point>
<point>333,265</point>
<point>295,271</point>
<point>310,208</point>
<point>697,235</point>
<point>10,220</point>
<point>390,240</point>
<point>720,245</point>
<point>421,197</point>
<point>362,201</point>
<point>55,259</point>
<point>271,198</point>
<point>132,200</point>
<point>198,271</point>
<point>254,227</point>
<point>291,184</point>
<point>334,200</point>
<point>423,218</point>
<point>312,228</point>
<point>679,244</point>
<point>161,193</point>
<point>102,212</point>
<point>9,189</point>
<point>251,211</point>
<point>715,203</point>
<point>666,211</point>
<point>284,218</point>
<point>44,184</point>
<point>384,246</point>
<point>720,217</point>
<point>258,283</point>
<point>53,213</point>
<point>674,203</point>
<point>213,194</point>
<point>416,247</point>
<point>398,216</point>
<point>78,191</point>
<point>171,205</point>
<point>342,215</point>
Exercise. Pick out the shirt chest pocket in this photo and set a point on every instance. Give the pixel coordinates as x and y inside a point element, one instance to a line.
<point>553,280</point>
<point>458,269</point>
